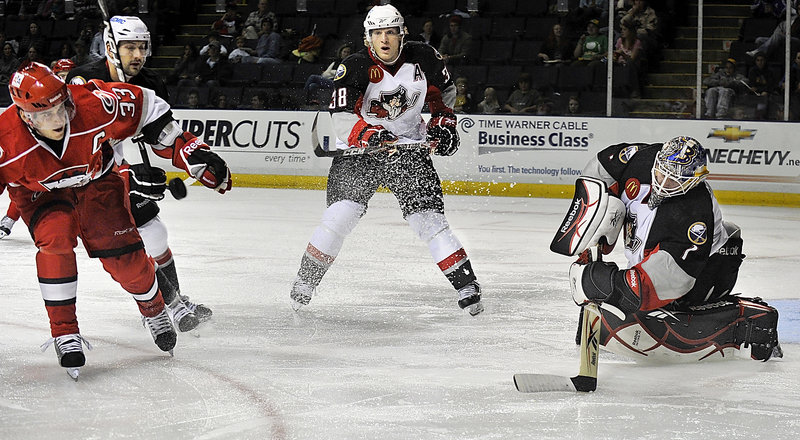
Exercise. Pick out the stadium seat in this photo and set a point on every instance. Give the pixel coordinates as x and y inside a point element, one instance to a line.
<point>276,74</point>
<point>244,74</point>
<point>500,7</point>
<point>496,51</point>
<point>753,28</point>
<point>575,78</point>
<point>526,52</point>
<point>503,76</point>
<point>303,71</point>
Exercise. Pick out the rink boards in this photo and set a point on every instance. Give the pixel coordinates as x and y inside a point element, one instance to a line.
<point>755,163</point>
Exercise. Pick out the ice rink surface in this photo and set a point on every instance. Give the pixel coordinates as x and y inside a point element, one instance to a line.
<point>383,352</point>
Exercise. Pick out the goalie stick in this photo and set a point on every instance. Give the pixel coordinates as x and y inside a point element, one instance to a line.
<point>176,186</point>
<point>321,146</point>
<point>586,380</point>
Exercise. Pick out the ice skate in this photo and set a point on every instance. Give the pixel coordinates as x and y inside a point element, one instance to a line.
<point>469,298</point>
<point>201,311</point>
<point>182,316</point>
<point>69,350</point>
<point>5,226</point>
<point>163,332</point>
<point>301,293</point>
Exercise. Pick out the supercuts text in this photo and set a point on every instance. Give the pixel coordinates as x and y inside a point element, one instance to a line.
<point>245,134</point>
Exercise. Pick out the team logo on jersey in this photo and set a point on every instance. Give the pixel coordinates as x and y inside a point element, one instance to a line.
<point>697,233</point>
<point>392,105</point>
<point>375,74</point>
<point>340,72</point>
<point>632,242</point>
<point>67,178</point>
<point>418,75</point>
<point>632,188</point>
<point>627,153</point>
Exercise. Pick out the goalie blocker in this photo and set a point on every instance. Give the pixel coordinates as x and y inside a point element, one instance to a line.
<point>594,215</point>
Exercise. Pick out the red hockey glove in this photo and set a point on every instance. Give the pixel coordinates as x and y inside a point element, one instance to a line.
<point>200,162</point>
<point>442,132</point>
<point>145,181</point>
<point>375,136</point>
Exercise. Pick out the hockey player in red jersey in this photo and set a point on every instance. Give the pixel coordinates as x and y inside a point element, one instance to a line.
<point>57,153</point>
<point>377,101</point>
<point>675,299</point>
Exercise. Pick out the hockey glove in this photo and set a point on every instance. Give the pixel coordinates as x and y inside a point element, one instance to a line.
<point>203,164</point>
<point>146,181</point>
<point>442,132</point>
<point>375,136</point>
<point>601,282</point>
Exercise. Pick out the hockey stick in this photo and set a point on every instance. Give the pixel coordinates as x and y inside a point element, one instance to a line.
<point>586,380</point>
<point>321,146</point>
<point>176,186</point>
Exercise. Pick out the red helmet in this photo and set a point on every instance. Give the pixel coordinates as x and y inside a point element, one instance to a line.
<point>63,65</point>
<point>34,88</point>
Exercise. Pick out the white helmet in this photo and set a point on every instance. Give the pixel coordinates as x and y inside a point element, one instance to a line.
<point>125,29</point>
<point>380,17</point>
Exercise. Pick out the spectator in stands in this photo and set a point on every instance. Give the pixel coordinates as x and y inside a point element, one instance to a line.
<point>26,9</point>
<point>763,83</point>
<point>429,35</point>
<point>557,47</point>
<point>34,38</point>
<point>545,107</point>
<point>587,10</point>
<point>592,46</point>
<point>314,83</point>
<point>82,55</point>
<point>643,18</point>
<point>97,47</point>
<point>524,98</point>
<point>455,44</point>
<point>573,106</point>
<point>252,25</point>
<point>192,100</point>
<point>722,87</point>
<point>32,56</point>
<point>268,48</point>
<point>489,105</point>
<point>628,54</point>
<point>212,37</point>
<point>220,101</point>
<point>463,96</point>
<point>769,8</point>
<point>186,72</point>
<point>257,102</point>
<point>230,24</point>
<point>8,62</point>
<point>51,10</point>
<point>768,44</point>
<point>66,50</point>
<point>13,42</point>
<point>214,70</point>
<point>242,53</point>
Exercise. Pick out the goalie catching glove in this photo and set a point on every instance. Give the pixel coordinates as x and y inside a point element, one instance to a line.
<point>442,132</point>
<point>375,136</point>
<point>202,163</point>
<point>145,181</point>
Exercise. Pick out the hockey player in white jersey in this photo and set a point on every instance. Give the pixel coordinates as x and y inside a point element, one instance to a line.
<point>675,299</point>
<point>377,101</point>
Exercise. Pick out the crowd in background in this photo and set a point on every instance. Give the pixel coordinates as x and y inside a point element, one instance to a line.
<point>574,44</point>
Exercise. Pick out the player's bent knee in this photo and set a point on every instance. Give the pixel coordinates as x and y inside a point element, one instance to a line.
<point>342,217</point>
<point>134,271</point>
<point>428,224</point>
<point>155,237</point>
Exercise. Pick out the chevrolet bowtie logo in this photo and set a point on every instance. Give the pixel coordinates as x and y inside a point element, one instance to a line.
<point>732,133</point>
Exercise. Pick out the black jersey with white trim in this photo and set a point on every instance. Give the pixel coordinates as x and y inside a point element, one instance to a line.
<point>668,246</point>
<point>99,70</point>
<point>369,93</point>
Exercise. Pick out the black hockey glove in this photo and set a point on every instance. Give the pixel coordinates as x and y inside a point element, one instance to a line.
<point>442,131</point>
<point>203,164</point>
<point>146,181</point>
<point>375,136</point>
<point>600,281</point>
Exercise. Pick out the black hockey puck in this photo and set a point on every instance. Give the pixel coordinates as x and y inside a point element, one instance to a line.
<point>177,188</point>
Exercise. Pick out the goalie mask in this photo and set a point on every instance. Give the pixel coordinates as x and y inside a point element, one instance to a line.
<point>678,167</point>
<point>381,17</point>
<point>124,29</point>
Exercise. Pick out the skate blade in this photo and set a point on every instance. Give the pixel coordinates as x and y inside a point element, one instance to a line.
<point>74,373</point>
<point>475,309</point>
<point>296,306</point>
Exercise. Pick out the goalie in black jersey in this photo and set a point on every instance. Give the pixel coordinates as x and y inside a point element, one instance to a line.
<point>377,102</point>
<point>127,42</point>
<point>675,300</point>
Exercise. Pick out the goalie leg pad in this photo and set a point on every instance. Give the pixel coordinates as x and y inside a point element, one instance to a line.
<point>711,331</point>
